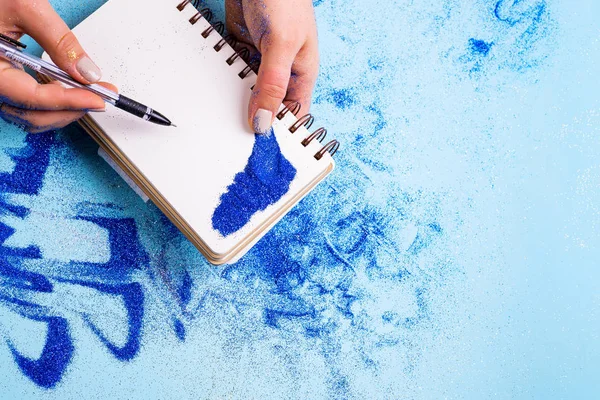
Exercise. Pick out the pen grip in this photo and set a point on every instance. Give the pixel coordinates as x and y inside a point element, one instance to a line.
<point>133,107</point>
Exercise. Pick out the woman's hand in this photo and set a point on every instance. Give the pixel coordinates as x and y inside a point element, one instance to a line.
<point>44,107</point>
<point>285,34</point>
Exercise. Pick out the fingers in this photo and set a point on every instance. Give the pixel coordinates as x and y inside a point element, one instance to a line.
<point>303,77</point>
<point>283,75</point>
<point>285,33</point>
<point>41,22</point>
<point>39,121</point>
<point>234,20</point>
<point>21,90</point>
<point>271,87</point>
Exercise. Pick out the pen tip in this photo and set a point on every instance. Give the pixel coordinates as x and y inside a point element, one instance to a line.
<point>174,126</point>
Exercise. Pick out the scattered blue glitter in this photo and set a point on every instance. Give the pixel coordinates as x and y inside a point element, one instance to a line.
<point>480,46</point>
<point>376,65</point>
<point>341,98</point>
<point>425,237</point>
<point>380,122</point>
<point>265,179</point>
<point>351,293</point>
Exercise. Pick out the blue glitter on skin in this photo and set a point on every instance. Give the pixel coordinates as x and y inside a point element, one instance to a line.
<point>18,117</point>
<point>263,182</point>
<point>480,47</point>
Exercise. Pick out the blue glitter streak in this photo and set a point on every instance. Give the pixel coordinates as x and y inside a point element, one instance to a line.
<point>56,355</point>
<point>31,163</point>
<point>185,290</point>
<point>28,252</point>
<point>514,11</point>
<point>133,298</point>
<point>265,179</point>
<point>179,329</point>
<point>380,121</point>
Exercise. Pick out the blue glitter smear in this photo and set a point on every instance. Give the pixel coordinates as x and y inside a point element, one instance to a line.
<point>480,46</point>
<point>19,287</point>
<point>341,98</point>
<point>56,354</point>
<point>264,180</point>
<point>513,12</point>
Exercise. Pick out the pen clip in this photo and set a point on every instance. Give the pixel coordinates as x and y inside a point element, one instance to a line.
<point>12,42</point>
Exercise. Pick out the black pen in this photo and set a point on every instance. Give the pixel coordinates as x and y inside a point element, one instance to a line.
<point>13,50</point>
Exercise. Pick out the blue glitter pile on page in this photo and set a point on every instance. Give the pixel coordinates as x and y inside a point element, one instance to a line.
<point>264,180</point>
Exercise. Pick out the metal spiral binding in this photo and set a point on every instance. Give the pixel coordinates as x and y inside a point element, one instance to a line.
<point>306,120</point>
<point>229,39</point>
<point>219,27</point>
<point>320,134</point>
<point>252,65</point>
<point>205,12</point>
<point>331,147</point>
<point>292,106</point>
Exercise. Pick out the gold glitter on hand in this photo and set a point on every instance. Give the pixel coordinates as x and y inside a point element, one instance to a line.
<point>72,54</point>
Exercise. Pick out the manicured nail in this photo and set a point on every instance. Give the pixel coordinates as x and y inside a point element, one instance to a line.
<point>262,121</point>
<point>89,70</point>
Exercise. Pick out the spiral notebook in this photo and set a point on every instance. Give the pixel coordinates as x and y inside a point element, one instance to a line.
<point>223,186</point>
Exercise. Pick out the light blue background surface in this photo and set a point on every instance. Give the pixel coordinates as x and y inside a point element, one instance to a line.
<point>453,254</point>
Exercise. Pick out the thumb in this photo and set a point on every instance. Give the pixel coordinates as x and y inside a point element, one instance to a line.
<point>270,89</point>
<point>42,23</point>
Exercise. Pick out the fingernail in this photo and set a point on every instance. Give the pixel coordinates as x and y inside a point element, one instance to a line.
<point>89,70</point>
<point>262,121</point>
<point>93,110</point>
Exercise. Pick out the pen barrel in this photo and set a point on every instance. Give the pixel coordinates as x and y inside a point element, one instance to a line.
<point>23,60</point>
<point>133,107</point>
